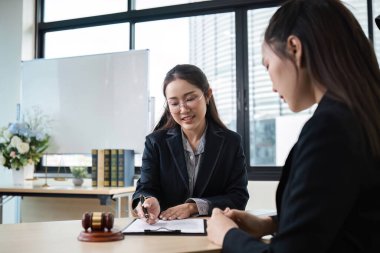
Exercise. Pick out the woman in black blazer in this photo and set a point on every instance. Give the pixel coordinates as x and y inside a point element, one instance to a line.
<point>191,162</point>
<point>328,195</point>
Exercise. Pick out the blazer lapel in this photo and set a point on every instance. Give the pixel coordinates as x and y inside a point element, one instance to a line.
<point>176,149</point>
<point>210,157</point>
<point>283,180</point>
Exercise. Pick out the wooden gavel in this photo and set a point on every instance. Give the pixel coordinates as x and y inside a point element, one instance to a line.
<point>97,221</point>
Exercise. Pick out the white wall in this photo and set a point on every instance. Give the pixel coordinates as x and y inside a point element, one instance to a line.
<point>16,35</point>
<point>10,51</point>
<point>262,195</point>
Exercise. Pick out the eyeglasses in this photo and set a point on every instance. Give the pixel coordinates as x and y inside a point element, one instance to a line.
<point>190,103</point>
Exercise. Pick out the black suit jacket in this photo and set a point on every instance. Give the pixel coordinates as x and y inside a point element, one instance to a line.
<point>222,177</point>
<point>328,198</point>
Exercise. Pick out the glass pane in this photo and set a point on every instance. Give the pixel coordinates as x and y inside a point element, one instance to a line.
<point>60,10</point>
<point>67,160</point>
<point>93,40</point>
<point>359,9</point>
<point>206,41</point>
<point>145,4</point>
<point>376,30</point>
<point>273,127</point>
<point>212,48</point>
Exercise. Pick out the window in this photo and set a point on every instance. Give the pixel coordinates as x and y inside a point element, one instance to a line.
<point>145,4</point>
<point>60,10</point>
<point>212,48</point>
<point>376,30</point>
<point>84,41</point>
<point>273,127</point>
<point>167,47</point>
<point>206,41</point>
<point>204,33</point>
<point>359,9</point>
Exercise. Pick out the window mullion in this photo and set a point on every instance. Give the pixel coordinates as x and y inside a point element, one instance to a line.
<point>242,117</point>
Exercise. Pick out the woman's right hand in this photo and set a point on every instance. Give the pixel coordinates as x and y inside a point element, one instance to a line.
<point>153,207</point>
<point>252,224</point>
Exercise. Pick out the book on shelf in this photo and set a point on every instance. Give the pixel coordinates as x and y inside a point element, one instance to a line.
<point>107,167</point>
<point>120,168</point>
<point>112,167</point>
<point>126,167</point>
<point>94,168</point>
<point>113,171</point>
<point>100,167</point>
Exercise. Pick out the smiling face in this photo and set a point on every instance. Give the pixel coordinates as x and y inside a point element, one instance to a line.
<point>289,79</point>
<point>187,105</point>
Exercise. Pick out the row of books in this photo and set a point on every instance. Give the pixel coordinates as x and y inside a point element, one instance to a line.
<point>112,167</point>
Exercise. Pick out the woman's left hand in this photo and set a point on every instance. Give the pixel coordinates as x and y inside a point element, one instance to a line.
<point>182,211</point>
<point>218,226</point>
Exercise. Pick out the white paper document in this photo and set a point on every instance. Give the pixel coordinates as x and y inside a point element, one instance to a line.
<point>186,226</point>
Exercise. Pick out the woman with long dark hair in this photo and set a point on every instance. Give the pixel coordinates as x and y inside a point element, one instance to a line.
<point>328,196</point>
<point>191,162</point>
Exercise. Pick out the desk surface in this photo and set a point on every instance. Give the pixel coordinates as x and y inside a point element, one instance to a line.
<point>61,236</point>
<point>66,187</point>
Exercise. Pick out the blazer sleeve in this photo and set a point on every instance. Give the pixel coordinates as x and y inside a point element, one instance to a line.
<point>148,184</point>
<point>320,193</point>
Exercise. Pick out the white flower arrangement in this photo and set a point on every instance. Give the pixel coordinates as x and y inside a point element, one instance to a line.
<point>23,143</point>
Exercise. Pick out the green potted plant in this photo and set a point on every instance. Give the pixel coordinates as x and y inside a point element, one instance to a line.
<point>78,173</point>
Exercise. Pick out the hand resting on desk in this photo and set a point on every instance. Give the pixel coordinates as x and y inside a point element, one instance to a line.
<point>222,221</point>
<point>252,224</point>
<point>152,205</point>
<point>179,212</point>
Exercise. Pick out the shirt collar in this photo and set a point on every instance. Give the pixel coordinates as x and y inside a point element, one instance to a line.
<point>201,146</point>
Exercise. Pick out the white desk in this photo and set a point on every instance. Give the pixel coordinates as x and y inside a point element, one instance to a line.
<point>61,237</point>
<point>64,189</point>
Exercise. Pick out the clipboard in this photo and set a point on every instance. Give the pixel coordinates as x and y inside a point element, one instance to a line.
<point>189,226</point>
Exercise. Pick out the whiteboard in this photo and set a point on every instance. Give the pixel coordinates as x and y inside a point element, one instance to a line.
<point>95,102</point>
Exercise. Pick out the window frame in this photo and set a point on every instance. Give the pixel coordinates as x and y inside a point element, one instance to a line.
<point>239,7</point>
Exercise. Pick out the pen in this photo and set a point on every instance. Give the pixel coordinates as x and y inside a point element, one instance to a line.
<point>146,214</point>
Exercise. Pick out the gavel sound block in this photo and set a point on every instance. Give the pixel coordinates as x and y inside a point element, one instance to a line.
<point>98,228</point>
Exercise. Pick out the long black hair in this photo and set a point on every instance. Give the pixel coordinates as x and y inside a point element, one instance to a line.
<point>195,76</point>
<point>336,53</point>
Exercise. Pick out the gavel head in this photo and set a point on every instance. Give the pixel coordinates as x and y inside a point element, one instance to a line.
<point>97,221</point>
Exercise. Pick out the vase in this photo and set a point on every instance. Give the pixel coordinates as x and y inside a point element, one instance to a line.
<point>29,172</point>
<point>22,174</point>
<point>77,181</point>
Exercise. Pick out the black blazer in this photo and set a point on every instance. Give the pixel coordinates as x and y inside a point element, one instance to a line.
<point>222,177</point>
<point>328,198</point>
